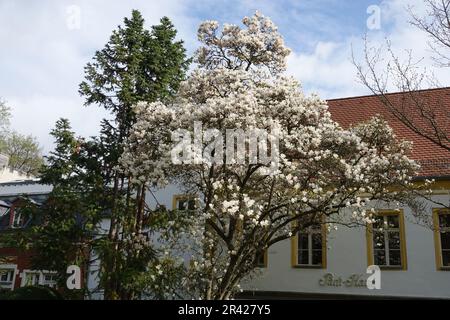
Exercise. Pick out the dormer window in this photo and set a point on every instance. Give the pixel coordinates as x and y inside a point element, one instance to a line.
<point>18,218</point>
<point>3,211</point>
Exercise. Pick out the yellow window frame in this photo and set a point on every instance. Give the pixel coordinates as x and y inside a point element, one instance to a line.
<point>369,240</point>
<point>437,238</point>
<point>294,251</point>
<point>178,197</point>
<point>266,259</point>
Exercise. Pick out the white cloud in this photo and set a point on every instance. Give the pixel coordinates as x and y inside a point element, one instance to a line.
<point>328,69</point>
<point>37,114</point>
<point>42,59</point>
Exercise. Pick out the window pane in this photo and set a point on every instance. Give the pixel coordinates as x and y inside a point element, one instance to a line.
<point>49,280</point>
<point>446,258</point>
<point>303,242</point>
<point>444,220</point>
<point>378,240</point>
<point>191,204</point>
<point>445,240</point>
<point>186,204</point>
<point>3,210</point>
<point>392,221</point>
<point>48,277</point>
<point>317,257</point>
<point>394,240</point>
<point>380,257</point>
<point>260,259</point>
<point>6,278</point>
<point>5,275</point>
<point>182,204</point>
<point>18,220</point>
<point>395,258</point>
<point>303,257</point>
<point>32,279</point>
<point>379,223</point>
<point>317,241</point>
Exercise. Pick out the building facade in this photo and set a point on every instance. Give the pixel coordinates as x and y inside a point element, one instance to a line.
<point>15,265</point>
<point>414,258</point>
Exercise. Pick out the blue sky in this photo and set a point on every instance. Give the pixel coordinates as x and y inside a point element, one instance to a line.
<point>42,56</point>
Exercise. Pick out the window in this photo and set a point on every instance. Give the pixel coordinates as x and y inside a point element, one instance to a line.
<point>41,278</point>
<point>184,202</point>
<point>7,276</point>
<point>261,259</point>
<point>31,279</point>
<point>386,246</point>
<point>3,211</point>
<point>49,279</point>
<point>19,220</point>
<point>441,219</point>
<point>4,217</point>
<point>309,247</point>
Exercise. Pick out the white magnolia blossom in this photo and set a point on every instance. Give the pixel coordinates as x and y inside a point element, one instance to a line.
<point>322,168</point>
<point>236,48</point>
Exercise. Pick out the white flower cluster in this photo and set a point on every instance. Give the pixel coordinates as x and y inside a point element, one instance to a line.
<point>259,44</point>
<point>136,242</point>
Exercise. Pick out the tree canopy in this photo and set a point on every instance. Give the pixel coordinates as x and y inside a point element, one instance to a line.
<point>317,168</point>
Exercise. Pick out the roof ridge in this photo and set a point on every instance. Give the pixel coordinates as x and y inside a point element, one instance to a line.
<point>15,182</point>
<point>388,94</point>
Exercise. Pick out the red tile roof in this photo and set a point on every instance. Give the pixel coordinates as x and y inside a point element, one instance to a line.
<point>435,160</point>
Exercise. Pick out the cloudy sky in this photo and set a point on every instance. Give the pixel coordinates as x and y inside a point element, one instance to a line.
<point>45,45</point>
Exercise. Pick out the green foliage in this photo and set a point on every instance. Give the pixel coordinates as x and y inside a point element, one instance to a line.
<point>135,65</point>
<point>24,153</point>
<point>5,116</point>
<point>63,227</point>
<point>31,293</point>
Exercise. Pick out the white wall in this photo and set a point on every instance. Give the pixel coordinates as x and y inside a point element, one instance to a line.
<point>346,255</point>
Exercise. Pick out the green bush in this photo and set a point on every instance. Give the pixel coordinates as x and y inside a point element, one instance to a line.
<point>31,293</point>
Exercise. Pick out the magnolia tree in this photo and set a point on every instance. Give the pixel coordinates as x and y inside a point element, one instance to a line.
<point>306,167</point>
